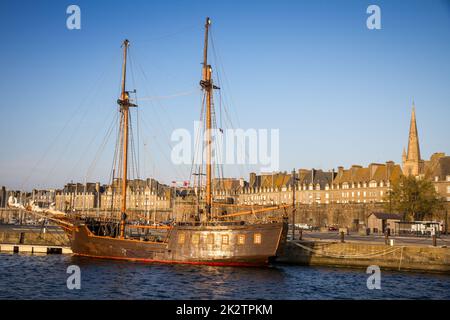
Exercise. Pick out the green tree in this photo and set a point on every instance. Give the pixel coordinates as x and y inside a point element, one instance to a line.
<point>415,198</point>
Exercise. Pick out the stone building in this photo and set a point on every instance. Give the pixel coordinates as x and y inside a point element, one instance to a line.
<point>314,186</point>
<point>3,197</point>
<point>277,188</point>
<point>142,195</point>
<point>380,222</point>
<point>267,189</point>
<point>364,185</point>
<point>79,196</point>
<point>227,190</point>
<point>438,171</point>
<point>43,198</point>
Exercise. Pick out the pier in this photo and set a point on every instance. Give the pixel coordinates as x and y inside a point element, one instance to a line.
<point>33,239</point>
<point>34,249</point>
<point>396,255</point>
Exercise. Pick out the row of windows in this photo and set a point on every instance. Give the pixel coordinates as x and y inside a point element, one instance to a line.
<point>372,184</point>
<point>358,194</point>
<point>225,238</point>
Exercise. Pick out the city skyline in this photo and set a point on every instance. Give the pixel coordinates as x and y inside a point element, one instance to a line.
<point>333,107</point>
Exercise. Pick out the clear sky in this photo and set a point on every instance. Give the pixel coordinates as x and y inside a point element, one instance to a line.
<point>340,94</point>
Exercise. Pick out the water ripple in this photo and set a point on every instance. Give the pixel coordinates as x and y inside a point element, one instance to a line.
<point>44,277</point>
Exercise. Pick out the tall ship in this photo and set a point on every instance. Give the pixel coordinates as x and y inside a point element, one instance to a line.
<point>210,238</point>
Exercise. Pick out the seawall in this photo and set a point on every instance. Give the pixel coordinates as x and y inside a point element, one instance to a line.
<point>362,255</point>
<point>33,236</point>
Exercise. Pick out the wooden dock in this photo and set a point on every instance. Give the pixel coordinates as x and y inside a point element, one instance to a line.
<point>34,249</point>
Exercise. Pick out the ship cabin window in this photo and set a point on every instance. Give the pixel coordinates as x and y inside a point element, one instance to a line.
<point>241,239</point>
<point>210,239</point>
<point>257,238</point>
<point>181,238</point>
<point>225,239</point>
<point>195,238</point>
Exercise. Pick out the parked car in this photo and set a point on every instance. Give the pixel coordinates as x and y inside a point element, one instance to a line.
<point>333,228</point>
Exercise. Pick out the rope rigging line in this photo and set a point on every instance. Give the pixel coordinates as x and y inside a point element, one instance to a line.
<point>137,117</point>
<point>93,89</point>
<point>159,120</point>
<point>223,98</point>
<point>94,137</point>
<point>101,148</point>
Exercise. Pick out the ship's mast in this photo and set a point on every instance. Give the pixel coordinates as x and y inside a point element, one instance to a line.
<point>206,84</point>
<point>124,103</point>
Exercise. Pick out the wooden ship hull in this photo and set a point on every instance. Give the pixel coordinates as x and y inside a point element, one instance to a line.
<point>219,245</point>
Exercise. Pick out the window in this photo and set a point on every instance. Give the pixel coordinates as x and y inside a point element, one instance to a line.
<point>373,184</point>
<point>448,189</point>
<point>181,238</point>
<point>257,238</point>
<point>195,238</point>
<point>241,239</point>
<point>225,239</point>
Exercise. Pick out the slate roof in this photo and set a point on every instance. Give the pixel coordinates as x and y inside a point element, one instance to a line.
<point>385,216</point>
<point>375,171</point>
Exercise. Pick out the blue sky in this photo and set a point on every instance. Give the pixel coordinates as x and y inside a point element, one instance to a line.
<point>340,93</point>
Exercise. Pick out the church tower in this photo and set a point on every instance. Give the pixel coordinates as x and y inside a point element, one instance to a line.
<point>412,163</point>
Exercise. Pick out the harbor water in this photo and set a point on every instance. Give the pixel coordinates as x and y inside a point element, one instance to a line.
<point>25,276</point>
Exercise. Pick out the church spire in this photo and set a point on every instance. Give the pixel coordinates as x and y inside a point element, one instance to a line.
<point>413,141</point>
<point>412,163</point>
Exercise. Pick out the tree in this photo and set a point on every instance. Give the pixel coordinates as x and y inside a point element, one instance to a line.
<point>415,198</point>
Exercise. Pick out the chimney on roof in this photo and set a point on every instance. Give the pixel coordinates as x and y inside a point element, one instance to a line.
<point>340,170</point>
<point>389,167</point>
<point>373,168</point>
<point>252,178</point>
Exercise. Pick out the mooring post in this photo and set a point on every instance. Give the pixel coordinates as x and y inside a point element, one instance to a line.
<point>342,236</point>
<point>386,237</point>
<point>434,240</point>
